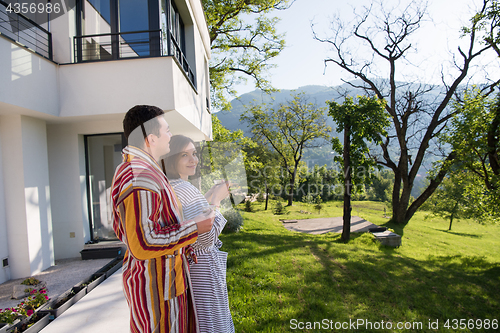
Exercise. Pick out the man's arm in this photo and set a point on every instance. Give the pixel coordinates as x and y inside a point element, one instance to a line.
<point>140,212</point>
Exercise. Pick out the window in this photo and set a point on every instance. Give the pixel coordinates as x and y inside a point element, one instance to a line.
<point>116,29</point>
<point>172,30</point>
<point>112,29</point>
<point>103,154</point>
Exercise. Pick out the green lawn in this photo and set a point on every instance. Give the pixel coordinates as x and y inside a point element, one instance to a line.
<point>283,281</point>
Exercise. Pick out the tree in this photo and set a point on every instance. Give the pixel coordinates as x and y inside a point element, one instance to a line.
<point>462,195</point>
<point>474,134</point>
<point>419,112</point>
<point>381,186</point>
<point>449,199</point>
<point>362,123</point>
<point>241,49</point>
<point>487,23</point>
<point>224,158</point>
<point>288,129</point>
<point>264,174</point>
<point>318,204</point>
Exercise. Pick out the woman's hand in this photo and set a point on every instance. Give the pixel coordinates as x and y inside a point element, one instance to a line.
<point>217,193</point>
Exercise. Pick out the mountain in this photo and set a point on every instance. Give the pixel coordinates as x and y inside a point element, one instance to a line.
<point>319,95</point>
<point>316,94</point>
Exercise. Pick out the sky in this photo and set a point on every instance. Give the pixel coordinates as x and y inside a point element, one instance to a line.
<point>302,61</point>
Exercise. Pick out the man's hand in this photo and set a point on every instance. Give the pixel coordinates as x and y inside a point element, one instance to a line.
<point>205,221</point>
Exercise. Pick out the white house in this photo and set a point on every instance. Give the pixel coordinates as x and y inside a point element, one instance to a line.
<point>65,85</point>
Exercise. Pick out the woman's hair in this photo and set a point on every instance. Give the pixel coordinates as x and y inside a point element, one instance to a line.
<point>177,145</point>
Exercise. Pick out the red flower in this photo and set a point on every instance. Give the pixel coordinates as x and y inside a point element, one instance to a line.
<point>29,312</point>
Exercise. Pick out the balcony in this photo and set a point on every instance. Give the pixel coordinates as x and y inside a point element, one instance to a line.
<point>126,45</point>
<point>26,32</point>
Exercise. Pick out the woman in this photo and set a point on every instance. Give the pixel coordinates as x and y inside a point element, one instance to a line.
<point>208,275</point>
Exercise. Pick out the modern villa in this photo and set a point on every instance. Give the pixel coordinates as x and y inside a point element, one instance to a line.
<point>66,82</point>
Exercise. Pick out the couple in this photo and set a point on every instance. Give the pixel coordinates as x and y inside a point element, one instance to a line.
<point>164,225</point>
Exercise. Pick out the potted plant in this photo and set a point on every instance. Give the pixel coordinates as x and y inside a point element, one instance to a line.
<point>8,318</point>
<point>34,302</point>
<point>57,306</point>
<point>34,325</point>
<point>24,289</point>
<point>112,266</point>
<point>91,282</point>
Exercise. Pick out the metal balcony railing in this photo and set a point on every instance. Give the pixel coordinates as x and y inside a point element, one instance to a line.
<point>26,32</point>
<point>175,50</point>
<point>135,44</point>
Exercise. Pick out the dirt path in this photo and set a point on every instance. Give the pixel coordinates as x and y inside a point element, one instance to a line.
<point>327,224</point>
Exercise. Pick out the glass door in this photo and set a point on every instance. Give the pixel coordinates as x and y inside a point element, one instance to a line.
<point>103,154</point>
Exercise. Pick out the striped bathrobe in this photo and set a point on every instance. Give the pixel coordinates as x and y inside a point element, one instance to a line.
<point>147,219</point>
<point>208,275</point>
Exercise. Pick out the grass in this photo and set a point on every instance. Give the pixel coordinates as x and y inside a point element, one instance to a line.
<point>281,281</point>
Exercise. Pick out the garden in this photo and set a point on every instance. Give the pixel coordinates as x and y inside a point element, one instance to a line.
<point>282,281</point>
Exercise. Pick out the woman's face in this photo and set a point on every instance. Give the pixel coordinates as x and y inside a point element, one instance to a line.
<point>188,160</point>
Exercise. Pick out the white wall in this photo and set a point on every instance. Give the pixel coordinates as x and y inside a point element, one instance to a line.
<point>4,240</point>
<point>27,80</point>
<point>200,55</point>
<point>15,209</point>
<point>68,184</point>
<point>113,87</point>
<point>26,194</point>
<point>63,28</point>
<point>37,194</point>
<point>191,106</point>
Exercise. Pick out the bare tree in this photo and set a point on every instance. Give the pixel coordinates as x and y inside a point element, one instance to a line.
<point>373,48</point>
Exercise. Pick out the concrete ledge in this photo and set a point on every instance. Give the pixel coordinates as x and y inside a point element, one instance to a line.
<point>104,310</point>
<point>388,238</point>
<point>288,221</point>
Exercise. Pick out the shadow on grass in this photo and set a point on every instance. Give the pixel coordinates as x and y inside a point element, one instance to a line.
<point>462,234</point>
<point>351,282</point>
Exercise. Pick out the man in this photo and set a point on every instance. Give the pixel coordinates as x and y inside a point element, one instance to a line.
<point>147,218</point>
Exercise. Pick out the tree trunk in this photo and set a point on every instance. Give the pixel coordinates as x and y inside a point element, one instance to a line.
<point>346,230</point>
<point>292,185</point>
<point>290,192</point>
<point>267,194</point>
<point>453,214</point>
<point>433,185</point>
<point>401,210</point>
<point>493,138</point>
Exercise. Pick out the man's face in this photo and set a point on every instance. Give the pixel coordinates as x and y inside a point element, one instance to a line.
<point>162,145</point>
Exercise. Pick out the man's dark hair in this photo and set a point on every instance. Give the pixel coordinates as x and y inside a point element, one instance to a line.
<point>140,114</point>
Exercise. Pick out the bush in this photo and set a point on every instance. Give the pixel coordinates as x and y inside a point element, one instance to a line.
<point>31,281</point>
<point>248,206</point>
<point>308,198</point>
<point>279,209</point>
<point>261,197</point>
<point>234,220</point>
<point>318,204</point>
